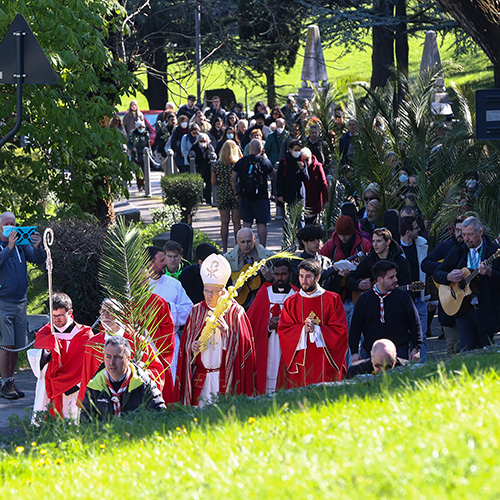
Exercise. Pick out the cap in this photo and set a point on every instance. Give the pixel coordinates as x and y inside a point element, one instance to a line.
<point>344,226</point>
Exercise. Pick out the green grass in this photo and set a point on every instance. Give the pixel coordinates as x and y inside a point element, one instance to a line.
<point>471,71</point>
<point>432,432</point>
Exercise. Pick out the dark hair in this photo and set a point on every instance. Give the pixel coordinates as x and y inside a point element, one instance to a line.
<point>215,97</point>
<point>173,246</point>
<point>406,224</point>
<point>239,105</point>
<point>193,126</point>
<point>61,301</point>
<point>384,232</point>
<point>169,115</point>
<point>257,106</point>
<point>191,97</point>
<point>277,109</point>
<point>310,265</point>
<point>152,251</point>
<point>117,340</point>
<point>281,263</point>
<point>380,269</point>
<point>459,219</point>
<point>294,143</point>
<point>310,232</point>
<point>203,250</point>
<point>259,116</point>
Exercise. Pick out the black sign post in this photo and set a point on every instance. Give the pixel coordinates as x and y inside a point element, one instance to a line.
<point>20,51</point>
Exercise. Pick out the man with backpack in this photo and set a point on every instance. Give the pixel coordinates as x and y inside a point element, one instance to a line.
<point>249,179</point>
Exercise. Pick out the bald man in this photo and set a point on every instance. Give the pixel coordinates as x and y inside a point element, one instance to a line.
<point>383,357</point>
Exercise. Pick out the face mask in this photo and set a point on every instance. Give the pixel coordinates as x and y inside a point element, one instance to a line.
<point>280,130</point>
<point>471,183</point>
<point>403,178</point>
<point>184,125</point>
<point>230,136</point>
<point>203,145</point>
<point>296,154</point>
<point>7,230</point>
<point>141,130</point>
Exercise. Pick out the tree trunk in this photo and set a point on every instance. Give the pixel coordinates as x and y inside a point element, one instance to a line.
<point>157,91</point>
<point>271,86</point>
<point>383,47</point>
<point>402,48</point>
<point>481,19</point>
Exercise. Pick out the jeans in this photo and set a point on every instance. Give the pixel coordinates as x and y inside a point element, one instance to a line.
<point>469,335</point>
<point>421,306</point>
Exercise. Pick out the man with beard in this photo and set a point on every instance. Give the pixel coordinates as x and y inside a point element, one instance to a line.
<point>270,297</point>
<point>429,265</point>
<point>312,332</point>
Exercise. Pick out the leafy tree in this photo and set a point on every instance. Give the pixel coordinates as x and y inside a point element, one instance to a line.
<point>70,153</point>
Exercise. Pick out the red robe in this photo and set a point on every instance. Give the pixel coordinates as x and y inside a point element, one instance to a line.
<point>94,357</point>
<point>238,359</point>
<point>313,364</point>
<point>64,370</point>
<point>260,326</point>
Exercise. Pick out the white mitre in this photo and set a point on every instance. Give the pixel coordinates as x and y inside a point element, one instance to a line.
<point>215,270</point>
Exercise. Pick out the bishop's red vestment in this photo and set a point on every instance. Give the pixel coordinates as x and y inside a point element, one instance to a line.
<point>237,363</point>
<point>64,370</point>
<point>267,304</point>
<point>310,358</point>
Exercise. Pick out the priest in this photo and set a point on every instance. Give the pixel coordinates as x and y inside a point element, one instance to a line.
<point>313,333</point>
<point>227,365</point>
<point>61,360</point>
<point>270,298</point>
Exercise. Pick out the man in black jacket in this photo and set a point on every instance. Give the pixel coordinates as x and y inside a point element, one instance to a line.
<point>121,387</point>
<point>480,320</point>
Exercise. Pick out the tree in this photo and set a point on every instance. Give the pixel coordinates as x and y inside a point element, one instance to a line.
<point>481,19</point>
<point>70,152</point>
<point>270,33</point>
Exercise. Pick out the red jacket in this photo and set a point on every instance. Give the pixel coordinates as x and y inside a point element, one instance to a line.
<point>333,250</point>
<point>316,187</point>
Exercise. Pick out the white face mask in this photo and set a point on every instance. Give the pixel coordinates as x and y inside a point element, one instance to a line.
<point>184,125</point>
<point>470,183</point>
<point>296,154</point>
<point>7,230</point>
<point>280,130</point>
<point>202,145</point>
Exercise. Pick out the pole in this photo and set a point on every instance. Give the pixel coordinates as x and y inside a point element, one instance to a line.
<point>197,24</point>
<point>147,173</point>
<point>20,80</point>
<point>48,239</point>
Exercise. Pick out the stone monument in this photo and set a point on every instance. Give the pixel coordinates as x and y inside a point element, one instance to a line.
<point>430,62</point>
<point>314,67</point>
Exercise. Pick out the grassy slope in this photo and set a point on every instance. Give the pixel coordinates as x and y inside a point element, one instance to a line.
<point>428,433</point>
<point>355,66</point>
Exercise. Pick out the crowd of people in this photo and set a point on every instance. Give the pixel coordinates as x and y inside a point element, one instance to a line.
<point>361,302</point>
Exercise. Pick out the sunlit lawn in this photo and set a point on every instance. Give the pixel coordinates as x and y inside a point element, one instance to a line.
<point>427,433</point>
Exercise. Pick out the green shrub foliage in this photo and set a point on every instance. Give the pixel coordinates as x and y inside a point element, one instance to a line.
<point>184,190</point>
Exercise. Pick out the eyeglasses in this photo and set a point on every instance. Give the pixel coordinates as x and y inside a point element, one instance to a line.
<point>57,316</point>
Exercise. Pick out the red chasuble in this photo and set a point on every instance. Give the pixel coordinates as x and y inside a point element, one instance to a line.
<point>313,364</point>
<point>64,370</point>
<point>94,357</point>
<point>237,368</point>
<point>259,314</point>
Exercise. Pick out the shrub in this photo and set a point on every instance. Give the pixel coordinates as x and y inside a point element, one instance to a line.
<point>167,216</point>
<point>184,190</point>
<point>76,252</point>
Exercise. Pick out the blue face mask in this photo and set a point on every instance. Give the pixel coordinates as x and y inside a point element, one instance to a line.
<point>7,230</point>
<point>141,130</point>
<point>230,136</point>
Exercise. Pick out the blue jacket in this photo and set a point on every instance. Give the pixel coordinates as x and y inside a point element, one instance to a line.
<point>13,270</point>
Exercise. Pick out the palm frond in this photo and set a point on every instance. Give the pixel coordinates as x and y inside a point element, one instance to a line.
<point>293,213</point>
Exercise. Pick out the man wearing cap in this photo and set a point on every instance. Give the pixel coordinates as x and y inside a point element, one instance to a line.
<point>345,242</point>
<point>227,365</point>
<point>313,333</point>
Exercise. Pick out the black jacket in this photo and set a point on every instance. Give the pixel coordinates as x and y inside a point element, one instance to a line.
<point>289,179</point>
<point>489,287</point>
<point>364,269</point>
<point>142,391</point>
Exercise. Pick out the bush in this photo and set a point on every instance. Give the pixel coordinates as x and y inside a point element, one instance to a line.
<point>184,190</point>
<point>76,253</point>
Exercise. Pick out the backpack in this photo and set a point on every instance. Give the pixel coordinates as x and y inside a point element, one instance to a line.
<point>252,181</point>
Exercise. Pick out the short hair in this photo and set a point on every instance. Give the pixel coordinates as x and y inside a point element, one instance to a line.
<point>193,126</point>
<point>294,143</point>
<point>310,232</point>
<point>306,153</point>
<point>259,116</point>
<point>310,265</point>
<point>257,131</point>
<point>6,213</point>
<point>118,340</point>
<point>473,222</point>
<point>215,97</point>
<point>255,146</point>
<point>204,137</point>
<point>61,301</point>
<point>152,251</point>
<point>382,267</point>
<point>315,126</point>
<point>406,211</point>
<point>191,97</point>
<point>203,250</point>
<point>281,263</point>
<point>239,105</point>
<point>173,246</point>
<point>406,224</point>
<point>383,232</point>
<point>459,219</point>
